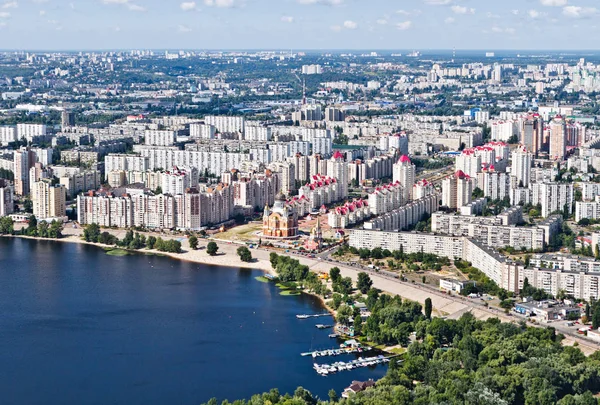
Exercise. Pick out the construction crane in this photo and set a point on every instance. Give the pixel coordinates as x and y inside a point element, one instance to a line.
<point>303,82</point>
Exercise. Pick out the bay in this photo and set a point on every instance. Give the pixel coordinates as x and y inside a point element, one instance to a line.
<point>80,326</point>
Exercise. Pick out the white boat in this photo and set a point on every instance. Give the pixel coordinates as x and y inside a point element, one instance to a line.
<point>302,316</point>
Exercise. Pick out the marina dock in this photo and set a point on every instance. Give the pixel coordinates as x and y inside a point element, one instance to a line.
<point>335,352</point>
<point>326,369</point>
<point>304,316</point>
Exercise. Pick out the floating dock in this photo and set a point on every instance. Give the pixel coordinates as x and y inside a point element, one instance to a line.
<point>326,369</point>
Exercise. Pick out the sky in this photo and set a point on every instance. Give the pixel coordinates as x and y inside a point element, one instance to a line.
<point>299,24</point>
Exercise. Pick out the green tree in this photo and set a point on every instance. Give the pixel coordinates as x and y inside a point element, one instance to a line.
<point>150,242</point>
<point>244,254</point>
<point>357,324</point>
<point>7,225</point>
<point>364,282</point>
<point>212,248</point>
<point>428,308</point>
<point>335,274</point>
<point>596,317</point>
<point>332,396</point>
<point>344,313</point>
<point>193,241</point>
<point>91,232</point>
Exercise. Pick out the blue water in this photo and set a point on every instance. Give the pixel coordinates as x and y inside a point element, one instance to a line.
<point>80,327</point>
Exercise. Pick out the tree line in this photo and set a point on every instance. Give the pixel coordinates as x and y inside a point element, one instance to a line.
<point>132,241</point>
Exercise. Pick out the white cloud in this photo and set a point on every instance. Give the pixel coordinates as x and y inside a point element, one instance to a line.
<point>324,2</point>
<point>188,6</point>
<point>351,25</point>
<point>336,28</point>
<point>462,10</point>
<point>184,28</point>
<point>4,14</point>
<point>10,4</point>
<point>382,21</point>
<point>534,14</point>
<point>450,20</point>
<point>117,29</point>
<point>287,19</point>
<point>126,3</point>
<point>135,7</point>
<point>403,12</point>
<point>220,3</point>
<point>42,12</point>
<point>515,12</point>
<point>2,24</point>
<point>500,30</point>
<point>580,12</point>
<point>438,2</point>
<point>554,3</point>
<point>405,25</point>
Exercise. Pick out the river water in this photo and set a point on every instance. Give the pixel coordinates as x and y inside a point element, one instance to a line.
<point>78,326</point>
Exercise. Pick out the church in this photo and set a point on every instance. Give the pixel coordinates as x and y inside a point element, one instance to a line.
<point>281,221</point>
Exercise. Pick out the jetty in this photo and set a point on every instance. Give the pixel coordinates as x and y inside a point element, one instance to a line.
<point>326,369</point>
<point>319,326</point>
<point>304,316</point>
<point>335,352</point>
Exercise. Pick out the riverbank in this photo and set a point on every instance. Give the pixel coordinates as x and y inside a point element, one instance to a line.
<point>444,305</point>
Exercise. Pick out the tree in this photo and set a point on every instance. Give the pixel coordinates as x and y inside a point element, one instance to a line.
<point>150,242</point>
<point>332,396</point>
<point>596,317</point>
<point>344,313</point>
<point>6,225</point>
<point>364,282</point>
<point>91,233</point>
<point>244,254</point>
<point>193,241</point>
<point>357,324</point>
<point>212,248</point>
<point>335,275</point>
<point>428,308</point>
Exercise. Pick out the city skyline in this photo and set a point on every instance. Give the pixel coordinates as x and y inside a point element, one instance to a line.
<point>297,24</point>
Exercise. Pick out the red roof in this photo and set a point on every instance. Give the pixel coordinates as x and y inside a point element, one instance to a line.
<point>338,155</point>
<point>404,159</point>
<point>460,174</point>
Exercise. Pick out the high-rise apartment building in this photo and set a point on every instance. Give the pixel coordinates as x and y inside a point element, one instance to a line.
<point>24,159</point>
<point>405,172</point>
<point>521,166</point>
<point>48,200</point>
<point>457,190</point>
<point>558,138</point>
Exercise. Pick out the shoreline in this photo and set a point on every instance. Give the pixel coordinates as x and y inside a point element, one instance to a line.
<point>444,305</point>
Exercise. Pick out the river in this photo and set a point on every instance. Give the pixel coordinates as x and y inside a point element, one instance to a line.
<point>80,326</point>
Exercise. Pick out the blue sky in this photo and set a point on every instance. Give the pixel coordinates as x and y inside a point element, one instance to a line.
<point>299,24</point>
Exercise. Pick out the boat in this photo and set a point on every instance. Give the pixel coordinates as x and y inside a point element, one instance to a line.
<point>333,335</point>
<point>302,316</point>
<point>320,326</point>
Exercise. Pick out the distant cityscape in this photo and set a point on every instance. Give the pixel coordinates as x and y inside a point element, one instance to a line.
<point>488,157</point>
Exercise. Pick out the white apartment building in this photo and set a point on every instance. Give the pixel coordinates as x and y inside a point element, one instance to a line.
<point>225,123</point>
<point>553,197</point>
<point>212,162</point>
<point>405,216</point>
<point>8,134</point>
<point>257,133</point>
<point>31,132</point>
<point>122,162</point>
<point>495,186</point>
<point>159,137</point>
<point>521,166</point>
<point>587,209</point>
<point>386,198</point>
<point>503,130</point>
<point>457,190</point>
<point>202,131</point>
<point>404,172</point>
<point>48,200</point>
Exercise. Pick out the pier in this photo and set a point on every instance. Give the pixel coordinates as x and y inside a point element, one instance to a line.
<point>304,316</point>
<point>326,369</point>
<point>335,352</point>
